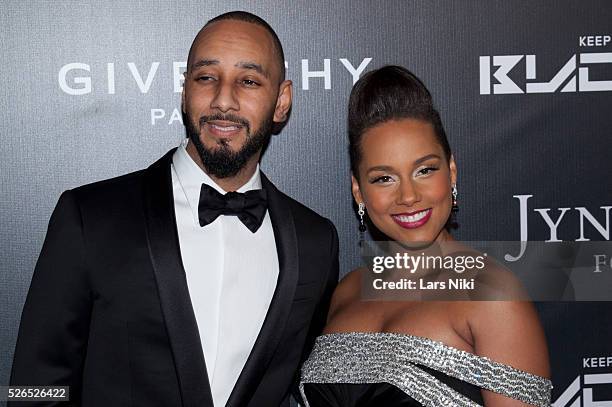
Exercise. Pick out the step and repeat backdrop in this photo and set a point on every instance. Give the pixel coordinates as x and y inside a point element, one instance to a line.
<point>524,90</point>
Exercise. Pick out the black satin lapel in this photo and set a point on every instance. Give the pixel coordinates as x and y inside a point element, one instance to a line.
<point>172,286</point>
<point>276,318</point>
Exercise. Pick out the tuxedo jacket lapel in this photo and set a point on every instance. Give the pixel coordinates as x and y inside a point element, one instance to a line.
<point>276,318</point>
<point>174,297</point>
<point>174,294</point>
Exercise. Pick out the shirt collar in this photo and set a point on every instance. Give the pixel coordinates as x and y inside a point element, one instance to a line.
<point>191,177</point>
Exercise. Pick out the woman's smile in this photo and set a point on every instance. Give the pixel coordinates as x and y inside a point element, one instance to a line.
<point>412,220</point>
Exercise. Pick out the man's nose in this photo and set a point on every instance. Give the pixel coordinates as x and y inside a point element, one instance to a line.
<point>225,98</point>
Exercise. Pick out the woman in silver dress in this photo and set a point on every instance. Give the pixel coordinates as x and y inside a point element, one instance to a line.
<point>413,353</point>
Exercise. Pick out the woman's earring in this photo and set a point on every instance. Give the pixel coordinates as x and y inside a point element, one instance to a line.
<point>454,194</point>
<point>362,226</point>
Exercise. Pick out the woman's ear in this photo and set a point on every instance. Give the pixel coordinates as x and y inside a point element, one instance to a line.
<point>355,189</point>
<point>452,166</point>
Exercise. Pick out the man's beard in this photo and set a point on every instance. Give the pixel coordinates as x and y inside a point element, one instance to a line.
<point>220,161</point>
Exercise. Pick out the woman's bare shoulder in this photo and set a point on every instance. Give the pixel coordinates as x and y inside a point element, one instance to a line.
<point>510,332</point>
<point>347,292</point>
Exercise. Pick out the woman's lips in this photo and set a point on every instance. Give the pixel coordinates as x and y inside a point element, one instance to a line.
<point>223,128</point>
<point>412,220</point>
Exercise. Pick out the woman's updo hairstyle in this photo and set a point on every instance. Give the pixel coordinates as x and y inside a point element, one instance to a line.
<point>389,93</point>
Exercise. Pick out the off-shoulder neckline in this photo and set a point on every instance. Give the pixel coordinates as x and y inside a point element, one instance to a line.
<point>425,339</point>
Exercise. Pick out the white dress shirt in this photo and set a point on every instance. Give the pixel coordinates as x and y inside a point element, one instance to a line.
<point>231,274</point>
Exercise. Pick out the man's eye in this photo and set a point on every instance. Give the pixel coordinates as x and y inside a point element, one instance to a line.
<point>205,78</point>
<point>250,82</point>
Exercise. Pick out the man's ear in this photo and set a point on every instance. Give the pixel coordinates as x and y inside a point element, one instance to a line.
<point>355,189</point>
<point>183,93</point>
<point>283,101</point>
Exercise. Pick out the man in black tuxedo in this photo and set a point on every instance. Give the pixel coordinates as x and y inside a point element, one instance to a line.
<point>194,282</point>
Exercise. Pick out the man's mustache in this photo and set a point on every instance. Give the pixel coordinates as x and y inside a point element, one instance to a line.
<point>226,117</point>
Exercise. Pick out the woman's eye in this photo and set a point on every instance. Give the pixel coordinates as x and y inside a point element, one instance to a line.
<point>382,179</point>
<point>426,170</point>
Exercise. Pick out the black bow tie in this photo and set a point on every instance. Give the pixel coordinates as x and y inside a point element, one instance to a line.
<point>250,206</point>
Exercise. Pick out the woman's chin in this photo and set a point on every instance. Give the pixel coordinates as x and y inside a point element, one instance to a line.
<point>421,240</point>
<point>413,242</point>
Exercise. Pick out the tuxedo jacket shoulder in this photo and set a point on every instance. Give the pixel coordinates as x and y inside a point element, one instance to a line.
<point>109,314</point>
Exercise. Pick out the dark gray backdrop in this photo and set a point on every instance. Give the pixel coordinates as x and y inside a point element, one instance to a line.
<point>554,146</point>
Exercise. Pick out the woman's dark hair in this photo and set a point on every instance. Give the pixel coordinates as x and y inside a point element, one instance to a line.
<point>389,93</point>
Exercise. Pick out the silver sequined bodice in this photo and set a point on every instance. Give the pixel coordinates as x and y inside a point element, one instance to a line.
<point>394,358</point>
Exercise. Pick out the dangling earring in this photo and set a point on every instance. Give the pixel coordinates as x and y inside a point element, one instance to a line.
<point>455,207</point>
<point>362,226</point>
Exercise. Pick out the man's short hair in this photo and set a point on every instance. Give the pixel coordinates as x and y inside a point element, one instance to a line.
<point>249,18</point>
